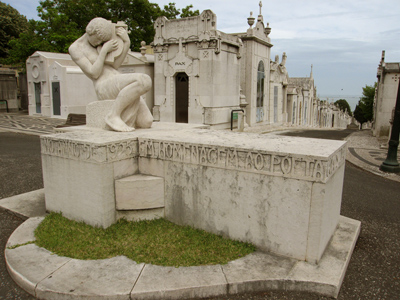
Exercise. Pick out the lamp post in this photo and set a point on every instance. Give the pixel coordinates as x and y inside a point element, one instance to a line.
<point>391,164</point>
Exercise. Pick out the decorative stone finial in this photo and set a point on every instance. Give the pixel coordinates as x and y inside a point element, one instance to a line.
<point>267,29</point>
<point>284,57</point>
<point>260,17</point>
<point>250,20</point>
<point>143,48</point>
<point>311,74</point>
<point>383,57</point>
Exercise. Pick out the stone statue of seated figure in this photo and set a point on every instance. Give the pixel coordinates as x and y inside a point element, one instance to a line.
<point>90,53</point>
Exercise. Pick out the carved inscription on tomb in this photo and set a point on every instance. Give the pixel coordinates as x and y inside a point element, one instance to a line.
<point>292,166</point>
<point>102,153</point>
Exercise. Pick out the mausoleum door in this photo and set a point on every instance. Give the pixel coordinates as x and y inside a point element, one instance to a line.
<point>182,98</point>
<point>56,98</point>
<point>38,91</point>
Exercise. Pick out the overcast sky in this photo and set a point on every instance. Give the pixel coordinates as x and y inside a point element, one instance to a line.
<point>342,39</point>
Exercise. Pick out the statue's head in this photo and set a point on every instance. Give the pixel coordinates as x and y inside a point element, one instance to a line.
<point>99,31</point>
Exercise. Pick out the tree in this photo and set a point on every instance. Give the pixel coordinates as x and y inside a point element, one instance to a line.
<point>364,109</point>
<point>63,21</point>
<point>343,106</point>
<point>188,12</point>
<point>367,101</point>
<point>31,40</point>
<point>139,15</point>
<point>12,24</point>
<point>359,115</point>
<point>171,12</point>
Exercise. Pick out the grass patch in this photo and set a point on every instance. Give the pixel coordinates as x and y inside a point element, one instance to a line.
<point>157,242</point>
<point>20,245</point>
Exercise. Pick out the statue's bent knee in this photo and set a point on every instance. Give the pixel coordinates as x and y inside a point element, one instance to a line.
<point>146,82</point>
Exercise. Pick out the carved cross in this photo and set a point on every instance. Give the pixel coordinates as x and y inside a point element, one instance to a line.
<point>206,19</point>
<point>159,25</point>
<point>260,7</point>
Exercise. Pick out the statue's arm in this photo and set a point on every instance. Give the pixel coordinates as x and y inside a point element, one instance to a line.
<point>123,34</point>
<point>94,70</point>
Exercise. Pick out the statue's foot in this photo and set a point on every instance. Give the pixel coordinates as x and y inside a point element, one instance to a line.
<point>117,124</point>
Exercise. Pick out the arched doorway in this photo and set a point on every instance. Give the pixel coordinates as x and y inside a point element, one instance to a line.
<point>182,98</point>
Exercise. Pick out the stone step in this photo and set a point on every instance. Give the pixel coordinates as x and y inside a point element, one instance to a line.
<point>139,192</point>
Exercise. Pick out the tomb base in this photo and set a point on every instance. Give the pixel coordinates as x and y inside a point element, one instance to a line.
<point>282,194</point>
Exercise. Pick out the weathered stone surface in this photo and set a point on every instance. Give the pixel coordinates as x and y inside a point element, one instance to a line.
<point>24,233</point>
<point>96,112</point>
<point>157,282</point>
<point>326,278</point>
<point>286,191</point>
<point>257,272</point>
<point>91,279</point>
<point>28,205</point>
<point>301,158</point>
<point>28,265</point>
<point>139,192</point>
<point>141,214</point>
<point>79,169</point>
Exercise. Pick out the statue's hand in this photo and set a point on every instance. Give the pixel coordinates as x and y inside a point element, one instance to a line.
<point>110,46</point>
<point>123,34</point>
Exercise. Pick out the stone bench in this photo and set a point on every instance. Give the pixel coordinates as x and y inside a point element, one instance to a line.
<point>74,120</point>
<point>6,102</point>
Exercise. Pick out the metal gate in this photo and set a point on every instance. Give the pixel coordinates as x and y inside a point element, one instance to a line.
<point>38,92</point>
<point>56,98</point>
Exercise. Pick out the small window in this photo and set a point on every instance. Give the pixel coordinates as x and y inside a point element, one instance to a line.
<point>260,84</point>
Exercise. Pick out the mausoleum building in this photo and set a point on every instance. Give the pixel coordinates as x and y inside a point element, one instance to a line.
<point>197,71</point>
<point>58,87</point>
<point>385,96</point>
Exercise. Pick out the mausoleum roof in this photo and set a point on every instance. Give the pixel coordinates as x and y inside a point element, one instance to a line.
<point>392,67</point>
<point>52,55</point>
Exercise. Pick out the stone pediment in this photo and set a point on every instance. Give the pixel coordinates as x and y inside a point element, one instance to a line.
<point>203,27</point>
<point>180,62</point>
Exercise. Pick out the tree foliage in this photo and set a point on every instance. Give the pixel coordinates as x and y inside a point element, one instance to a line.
<point>12,24</point>
<point>364,109</point>
<point>343,106</point>
<point>359,115</point>
<point>63,21</point>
